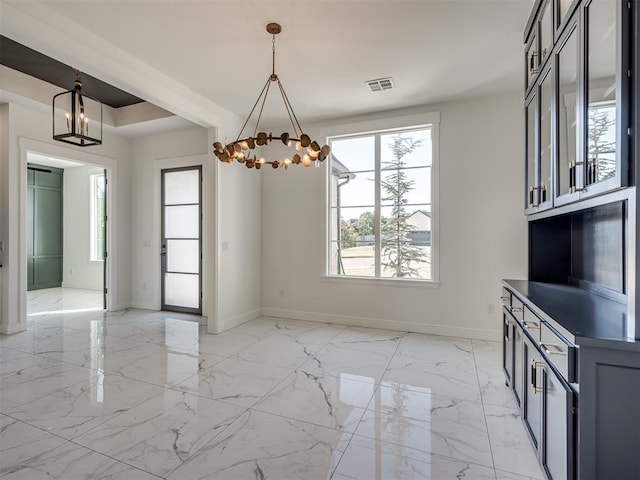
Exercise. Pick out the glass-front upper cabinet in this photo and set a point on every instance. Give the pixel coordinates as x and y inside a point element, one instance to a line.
<point>531,150</point>
<point>531,59</point>
<point>563,11</point>
<point>539,43</point>
<point>568,168</point>
<point>539,143</point>
<point>603,115</point>
<point>546,140</point>
<point>546,31</point>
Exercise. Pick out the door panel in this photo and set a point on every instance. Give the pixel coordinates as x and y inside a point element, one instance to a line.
<point>30,220</point>
<point>517,363</point>
<point>104,244</point>
<point>182,221</point>
<point>44,227</point>
<point>48,228</point>
<point>532,410</point>
<point>181,240</point>
<point>183,256</point>
<point>558,428</point>
<point>47,270</point>
<point>182,187</point>
<point>182,290</point>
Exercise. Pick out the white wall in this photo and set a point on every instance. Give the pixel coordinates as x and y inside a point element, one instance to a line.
<point>482,232</point>
<point>25,128</point>
<point>79,271</point>
<point>149,155</point>
<point>240,247</point>
<point>231,225</point>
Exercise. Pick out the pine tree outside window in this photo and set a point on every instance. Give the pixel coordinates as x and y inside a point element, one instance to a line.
<point>381,204</point>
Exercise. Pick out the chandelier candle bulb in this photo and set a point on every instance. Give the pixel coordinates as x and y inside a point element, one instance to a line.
<point>235,150</point>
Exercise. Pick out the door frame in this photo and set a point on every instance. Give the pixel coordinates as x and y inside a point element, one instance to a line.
<point>208,232</point>
<point>163,305</point>
<point>27,145</point>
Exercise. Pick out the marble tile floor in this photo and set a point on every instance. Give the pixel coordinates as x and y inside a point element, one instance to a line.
<point>145,395</point>
<point>65,300</point>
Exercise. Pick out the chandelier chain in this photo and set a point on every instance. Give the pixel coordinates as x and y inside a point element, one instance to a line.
<point>273,54</point>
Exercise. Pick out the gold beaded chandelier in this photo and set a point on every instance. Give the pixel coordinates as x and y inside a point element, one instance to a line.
<point>308,152</point>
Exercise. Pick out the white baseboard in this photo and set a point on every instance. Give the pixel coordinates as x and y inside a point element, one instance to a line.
<point>445,330</point>
<point>228,323</point>
<point>79,286</point>
<point>8,329</point>
<point>145,306</point>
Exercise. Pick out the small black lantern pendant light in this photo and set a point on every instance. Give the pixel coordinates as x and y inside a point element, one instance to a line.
<point>77,118</point>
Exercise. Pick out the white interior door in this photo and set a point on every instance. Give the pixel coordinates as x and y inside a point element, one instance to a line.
<point>182,239</point>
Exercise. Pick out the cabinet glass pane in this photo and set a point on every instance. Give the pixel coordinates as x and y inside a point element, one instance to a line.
<point>567,102</point>
<point>181,187</point>
<point>181,221</point>
<point>531,58</point>
<point>546,109</point>
<point>531,150</point>
<point>546,32</point>
<point>601,90</point>
<point>563,9</point>
<point>182,290</point>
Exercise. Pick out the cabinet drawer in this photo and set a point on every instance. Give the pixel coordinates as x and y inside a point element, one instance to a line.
<point>531,323</point>
<point>506,298</point>
<point>559,353</point>
<point>516,308</point>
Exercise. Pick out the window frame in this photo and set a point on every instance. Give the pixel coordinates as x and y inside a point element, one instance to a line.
<point>381,126</point>
<point>94,254</point>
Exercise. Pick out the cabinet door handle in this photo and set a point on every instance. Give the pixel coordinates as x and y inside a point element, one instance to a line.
<point>556,351</point>
<point>536,388</point>
<point>531,197</point>
<point>533,376</point>
<point>534,62</point>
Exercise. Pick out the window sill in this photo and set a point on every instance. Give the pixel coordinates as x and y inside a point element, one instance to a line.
<point>383,282</point>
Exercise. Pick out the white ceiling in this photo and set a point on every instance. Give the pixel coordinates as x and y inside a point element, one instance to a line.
<point>435,50</point>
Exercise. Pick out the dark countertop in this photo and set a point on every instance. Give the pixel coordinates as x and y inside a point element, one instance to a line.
<point>583,315</point>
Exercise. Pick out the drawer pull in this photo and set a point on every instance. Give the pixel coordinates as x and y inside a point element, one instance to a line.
<point>554,350</point>
<point>534,376</point>
<point>515,309</point>
<point>531,326</point>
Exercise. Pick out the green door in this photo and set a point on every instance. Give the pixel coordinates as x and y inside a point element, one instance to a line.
<point>44,227</point>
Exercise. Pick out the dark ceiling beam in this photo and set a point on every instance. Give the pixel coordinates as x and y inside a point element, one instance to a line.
<point>28,61</point>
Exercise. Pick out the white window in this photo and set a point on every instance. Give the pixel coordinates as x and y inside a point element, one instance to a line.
<point>97,212</point>
<point>381,204</point>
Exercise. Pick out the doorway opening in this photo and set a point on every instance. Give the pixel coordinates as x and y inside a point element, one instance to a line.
<point>181,232</point>
<point>66,236</point>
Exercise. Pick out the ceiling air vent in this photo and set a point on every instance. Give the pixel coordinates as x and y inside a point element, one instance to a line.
<point>380,84</point>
